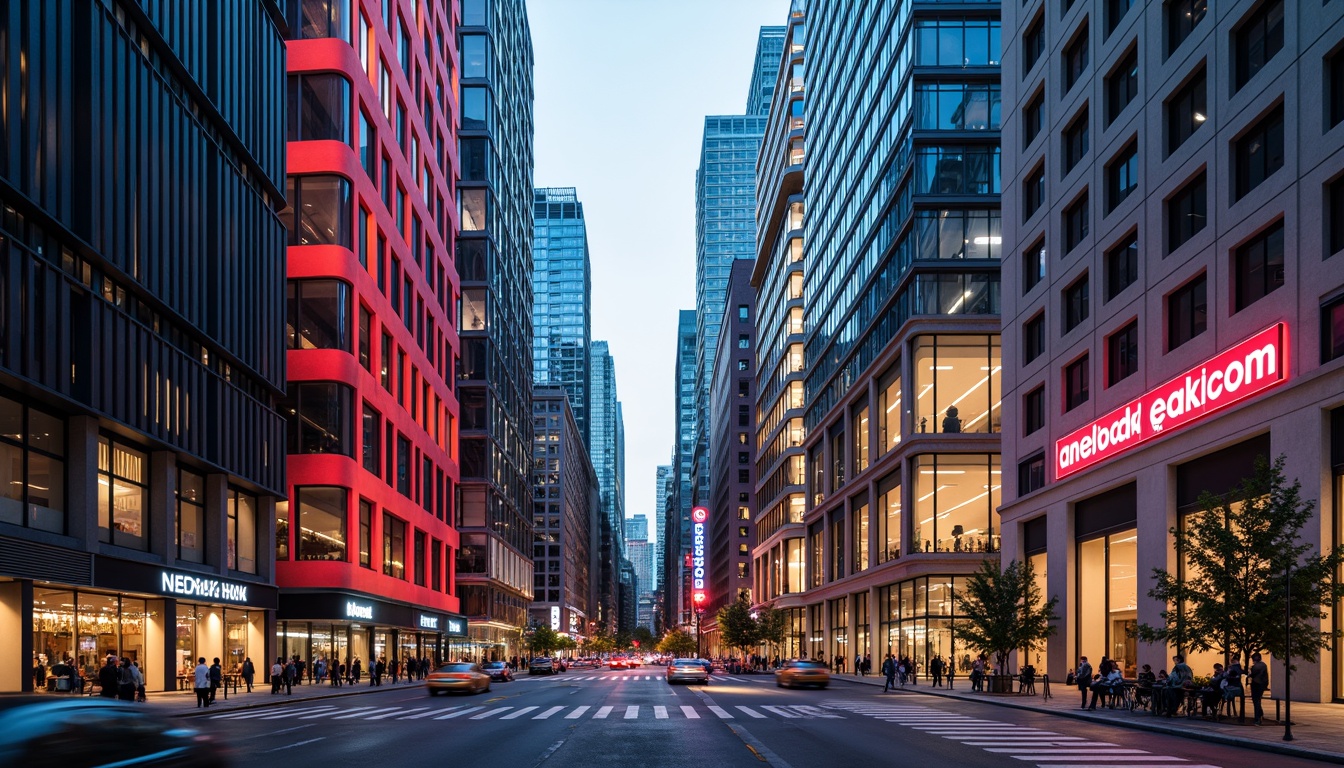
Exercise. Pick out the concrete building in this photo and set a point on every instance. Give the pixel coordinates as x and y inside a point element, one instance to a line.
<point>1177,206</point>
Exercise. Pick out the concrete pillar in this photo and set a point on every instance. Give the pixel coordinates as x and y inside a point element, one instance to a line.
<point>217,522</point>
<point>82,482</point>
<point>1155,494</point>
<point>1060,581</point>
<point>162,512</point>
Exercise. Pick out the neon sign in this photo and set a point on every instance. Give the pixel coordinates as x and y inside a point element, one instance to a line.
<point>1246,369</point>
<point>698,517</point>
<point>194,586</point>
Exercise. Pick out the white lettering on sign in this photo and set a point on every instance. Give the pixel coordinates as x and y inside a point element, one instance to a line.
<point>555,617</point>
<point>1246,369</point>
<point>428,622</point>
<point>455,626</point>
<point>355,610</point>
<point>204,588</point>
<point>699,515</point>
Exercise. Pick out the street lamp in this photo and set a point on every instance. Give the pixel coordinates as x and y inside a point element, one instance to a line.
<point>699,600</point>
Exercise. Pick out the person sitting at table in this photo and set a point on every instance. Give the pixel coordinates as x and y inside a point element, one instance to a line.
<point>1210,695</point>
<point>1176,682</point>
<point>1109,685</point>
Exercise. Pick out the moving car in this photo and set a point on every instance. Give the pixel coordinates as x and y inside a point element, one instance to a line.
<point>457,676</point>
<point>560,664</point>
<point>616,662</point>
<point>796,673</point>
<point>43,731</point>
<point>688,671</point>
<point>541,666</point>
<point>498,670</point>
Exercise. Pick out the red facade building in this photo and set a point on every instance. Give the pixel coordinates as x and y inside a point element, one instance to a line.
<point>365,547</point>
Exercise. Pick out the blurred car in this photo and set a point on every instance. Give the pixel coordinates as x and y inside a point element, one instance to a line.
<point>70,732</point>
<point>560,664</point>
<point>796,673</point>
<point>541,666</point>
<point>498,670</point>
<point>616,662</point>
<point>458,676</point>
<point>688,671</point>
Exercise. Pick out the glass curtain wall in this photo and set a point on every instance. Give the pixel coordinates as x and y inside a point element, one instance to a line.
<point>1108,599</point>
<point>917,618</point>
<point>955,499</point>
<point>888,511</point>
<point>838,610</point>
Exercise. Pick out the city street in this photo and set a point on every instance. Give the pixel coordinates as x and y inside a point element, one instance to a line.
<point>633,718</point>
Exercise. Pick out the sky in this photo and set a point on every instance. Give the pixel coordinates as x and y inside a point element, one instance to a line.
<point>622,88</point>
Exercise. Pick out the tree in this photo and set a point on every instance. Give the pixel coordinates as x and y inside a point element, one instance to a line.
<point>543,641</point>
<point>677,642</point>
<point>737,628</point>
<point>601,642</point>
<point>623,640</point>
<point>644,637</point>
<point>1231,598</point>
<point>1003,611</point>
<point>773,626</point>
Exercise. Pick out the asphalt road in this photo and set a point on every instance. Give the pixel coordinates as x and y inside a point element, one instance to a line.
<point>634,718</point>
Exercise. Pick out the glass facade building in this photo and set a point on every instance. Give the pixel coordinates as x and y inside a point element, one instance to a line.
<point>562,298</point>
<point>142,321</point>
<point>607,435</point>
<point>676,593</point>
<point>494,375</point>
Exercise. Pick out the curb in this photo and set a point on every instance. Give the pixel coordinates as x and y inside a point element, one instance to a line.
<point>1209,736</point>
<point>289,700</point>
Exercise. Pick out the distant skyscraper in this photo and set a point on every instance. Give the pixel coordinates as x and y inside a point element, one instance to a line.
<point>769,48</point>
<point>639,551</point>
<point>562,298</point>
<point>494,373</point>
<point>660,490</point>
<point>606,434</point>
<point>677,529</point>
<point>637,528</point>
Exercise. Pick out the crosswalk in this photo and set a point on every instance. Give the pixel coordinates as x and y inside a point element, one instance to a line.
<point>465,712</point>
<point>1028,745</point>
<point>621,678</point>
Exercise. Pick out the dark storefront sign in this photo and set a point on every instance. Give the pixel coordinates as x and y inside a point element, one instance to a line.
<point>127,576</point>
<point>1114,510</point>
<point>1034,536</point>
<point>1219,472</point>
<point>350,606</point>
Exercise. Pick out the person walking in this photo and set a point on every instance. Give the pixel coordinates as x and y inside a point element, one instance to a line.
<point>379,669</point>
<point>289,674</point>
<point>201,681</point>
<point>1259,677</point>
<point>889,672</point>
<point>216,679</point>
<point>356,670</point>
<point>277,669</point>
<point>1083,679</point>
<point>139,680</point>
<point>109,678</point>
<point>936,669</point>
<point>249,672</point>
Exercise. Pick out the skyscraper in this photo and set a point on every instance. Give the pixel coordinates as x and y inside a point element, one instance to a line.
<point>769,48</point>
<point>677,530</point>
<point>606,436</point>
<point>495,372</point>
<point>365,543</point>
<point>661,490</point>
<point>142,318</point>
<point>562,298</point>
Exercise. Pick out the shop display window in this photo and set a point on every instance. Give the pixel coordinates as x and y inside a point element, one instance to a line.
<point>1107,612</point>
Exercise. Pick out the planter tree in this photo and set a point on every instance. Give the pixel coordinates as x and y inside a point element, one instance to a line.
<point>677,642</point>
<point>1238,548</point>
<point>737,628</point>
<point>1003,610</point>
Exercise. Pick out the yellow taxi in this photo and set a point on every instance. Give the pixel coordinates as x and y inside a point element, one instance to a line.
<point>796,673</point>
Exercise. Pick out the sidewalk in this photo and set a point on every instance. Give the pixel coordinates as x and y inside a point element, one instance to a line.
<point>1317,728</point>
<point>183,703</point>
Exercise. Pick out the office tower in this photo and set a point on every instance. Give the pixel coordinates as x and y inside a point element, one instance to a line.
<point>636,528</point>
<point>769,49</point>
<point>901,226</point>
<point>781,478</point>
<point>363,542</point>
<point>732,455</point>
<point>1176,216</point>
<point>562,298</point>
<point>494,256</point>
<point>565,508</point>
<point>605,431</point>
<point>141,334</point>
<point>677,546</point>
<point>660,490</point>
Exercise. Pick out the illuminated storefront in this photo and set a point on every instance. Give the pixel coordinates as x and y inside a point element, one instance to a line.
<point>348,626</point>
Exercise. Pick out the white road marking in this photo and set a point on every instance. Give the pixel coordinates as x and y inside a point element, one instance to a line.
<point>518,713</point>
<point>547,713</point>
<point>602,713</point>
<point>393,714</point>
<point>690,712</point>
<point>781,711</point>
<point>577,713</point>
<point>430,713</point>
<point>721,712</point>
<point>459,713</point>
<point>296,744</point>
<point>632,712</point>
<point>751,712</point>
<point>660,713</point>
<point>490,713</point>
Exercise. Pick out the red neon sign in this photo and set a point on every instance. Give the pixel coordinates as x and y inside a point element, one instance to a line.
<point>1247,369</point>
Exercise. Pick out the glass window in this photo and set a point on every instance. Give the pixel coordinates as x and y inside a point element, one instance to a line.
<point>191,517</point>
<point>1122,353</point>
<point>1115,12</point>
<point>1259,153</point>
<point>368,146</point>
<point>474,55</point>
<point>1076,223</point>
<point>475,159</point>
<point>1075,59</point>
<point>1033,43</point>
<point>1258,267</point>
<point>861,440</point>
<point>955,498</point>
<point>1033,118</point>
<point>1334,210</point>
<point>816,552</point>
<point>958,234</point>
<point>1187,212</point>
<point>1332,330</point>
<point>1076,303</point>
<point>1108,615</point>
<point>282,545</point>
<point>956,42</point>
<point>1033,192</point>
<point>420,559</point>
<point>370,448</point>
<point>837,542</point>
<point>309,19</point>
<point>859,534</point>
<point>957,170</point>
<point>1076,140</point>
<point>1187,110</point>
<point>1182,18</point>
<point>475,108</point>
<point>323,210</point>
<point>1076,383</point>
<point>957,381</point>
<point>1033,410</point>
<point>320,108</point>
<point>1187,312</point>
<point>1033,263</point>
<point>32,468</point>
<point>1334,89</point>
<point>1258,39</point>
<point>1122,175</point>
<point>1122,265</point>
<point>321,522</point>
<point>403,466</point>
<point>889,408</point>
<point>365,532</point>
<point>394,547</point>
<point>319,415</point>
<point>957,106</point>
<point>365,339</point>
<point>242,523</point>
<point>473,13</point>
<point>475,209</point>
<point>123,495</point>
<point>318,315</point>
<point>1033,338</point>
<point>889,517</point>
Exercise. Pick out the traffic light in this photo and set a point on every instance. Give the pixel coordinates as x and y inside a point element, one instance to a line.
<point>636,643</point>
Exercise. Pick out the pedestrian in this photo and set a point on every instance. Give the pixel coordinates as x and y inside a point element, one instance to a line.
<point>356,670</point>
<point>978,674</point>
<point>1259,677</point>
<point>216,679</point>
<point>201,680</point>
<point>1181,674</point>
<point>936,667</point>
<point>39,674</point>
<point>291,672</point>
<point>139,680</point>
<point>1083,679</point>
<point>889,672</point>
<point>277,669</point>
<point>379,669</point>
<point>299,666</point>
<point>249,671</point>
<point>109,678</point>
<point>125,681</point>
<point>394,670</point>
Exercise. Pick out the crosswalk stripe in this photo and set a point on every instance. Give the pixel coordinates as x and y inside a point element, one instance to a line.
<point>245,715</point>
<point>1102,759</point>
<point>781,711</point>
<point>430,713</point>
<point>577,713</point>
<point>721,712</point>
<point>548,713</point>
<point>393,714</point>
<point>288,715</point>
<point>690,712</point>
<point>660,713</point>
<point>490,713</point>
<point>632,712</point>
<point>1066,751</point>
<point>751,712</point>
<point>518,713</point>
<point>459,713</point>
<point>328,712</point>
<point>817,712</point>
<point>349,715</point>
<point>602,713</point>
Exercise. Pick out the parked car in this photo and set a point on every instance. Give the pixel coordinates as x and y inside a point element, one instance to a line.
<point>72,731</point>
<point>560,664</point>
<point>498,670</point>
<point>796,673</point>
<point>541,666</point>
<point>458,676</point>
<point>688,671</point>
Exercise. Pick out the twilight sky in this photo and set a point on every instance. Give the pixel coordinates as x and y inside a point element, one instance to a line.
<point>622,88</point>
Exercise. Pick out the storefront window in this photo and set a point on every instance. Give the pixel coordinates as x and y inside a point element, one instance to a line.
<point>889,517</point>
<point>918,619</point>
<point>889,409</point>
<point>861,628</point>
<point>955,499</point>
<point>957,379</point>
<point>235,640</point>
<point>1108,598</point>
<point>321,522</point>
<point>54,637</point>
<point>242,511</point>
<point>190,517</point>
<point>122,495</point>
<point>1039,656</point>
<point>32,468</point>
<point>793,554</point>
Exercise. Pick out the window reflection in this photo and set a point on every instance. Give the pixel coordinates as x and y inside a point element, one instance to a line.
<point>474,56</point>
<point>954,234</point>
<point>475,209</point>
<point>957,106</point>
<point>320,108</point>
<point>310,19</point>
<point>319,418</point>
<point>319,210</point>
